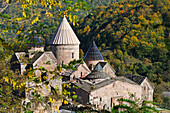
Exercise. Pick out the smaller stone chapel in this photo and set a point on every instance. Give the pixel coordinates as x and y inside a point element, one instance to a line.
<point>96,78</point>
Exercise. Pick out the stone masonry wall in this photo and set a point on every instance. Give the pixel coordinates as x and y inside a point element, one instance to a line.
<point>65,53</point>
<point>106,96</point>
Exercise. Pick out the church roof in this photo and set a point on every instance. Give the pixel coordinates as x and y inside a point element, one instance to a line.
<point>97,75</point>
<point>136,78</point>
<point>64,34</point>
<point>89,86</point>
<point>93,53</point>
<point>48,54</point>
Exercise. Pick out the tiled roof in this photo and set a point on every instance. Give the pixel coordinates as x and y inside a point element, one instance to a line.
<point>97,75</point>
<point>136,78</point>
<point>49,54</point>
<point>93,53</point>
<point>70,71</point>
<point>64,34</point>
<point>89,86</point>
<point>36,56</point>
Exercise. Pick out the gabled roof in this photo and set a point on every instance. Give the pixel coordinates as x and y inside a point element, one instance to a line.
<point>64,34</point>
<point>93,53</point>
<point>102,63</point>
<point>89,86</point>
<point>48,54</point>
<point>36,56</point>
<point>136,78</point>
<point>70,71</point>
<point>20,56</point>
<point>98,67</point>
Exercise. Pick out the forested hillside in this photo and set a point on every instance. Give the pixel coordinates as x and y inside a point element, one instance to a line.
<point>44,25</point>
<point>134,36</point>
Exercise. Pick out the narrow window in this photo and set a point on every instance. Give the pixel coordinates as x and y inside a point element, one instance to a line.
<point>72,55</point>
<point>100,99</point>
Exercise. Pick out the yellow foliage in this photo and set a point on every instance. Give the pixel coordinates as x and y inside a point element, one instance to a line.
<point>65,102</point>
<point>24,14</point>
<point>113,22</point>
<point>73,92</point>
<point>18,32</point>
<point>114,11</point>
<point>134,38</point>
<point>35,20</point>
<point>121,6</point>
<point>101,12</point>
<point>141,17</point>
<point>129,5</point>
<point>51,100</point>
<point>7,1</point>
<point>125,40</point>
<point>98,35</point>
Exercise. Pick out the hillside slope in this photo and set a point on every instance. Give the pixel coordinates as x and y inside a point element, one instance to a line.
<point>138,28</point>
<point>134,36</point>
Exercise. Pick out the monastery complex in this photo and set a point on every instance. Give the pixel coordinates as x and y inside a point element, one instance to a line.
<point>97,80</point>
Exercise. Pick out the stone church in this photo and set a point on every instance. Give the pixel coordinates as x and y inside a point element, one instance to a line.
<point>96,79</point>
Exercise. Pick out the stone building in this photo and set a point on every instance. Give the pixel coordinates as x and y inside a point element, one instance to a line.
<point>93,56</point>
<point>65,44</point>
<point>96,79</point>
<point>147,87</point>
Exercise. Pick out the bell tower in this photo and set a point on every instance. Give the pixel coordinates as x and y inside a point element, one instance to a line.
<point>93,55</point>
<point>65,44</point>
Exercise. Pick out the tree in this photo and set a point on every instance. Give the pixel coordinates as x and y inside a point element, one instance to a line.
<point>25,20</point>
<point>134,107</point>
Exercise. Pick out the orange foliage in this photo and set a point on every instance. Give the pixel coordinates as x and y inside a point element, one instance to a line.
<point>132,11</point>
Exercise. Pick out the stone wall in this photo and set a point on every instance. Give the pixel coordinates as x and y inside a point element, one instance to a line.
<point>81,71</point>
<point>106,96</point>
<point>147,90</point>
<point>82,96</point>
<point>65,53</point>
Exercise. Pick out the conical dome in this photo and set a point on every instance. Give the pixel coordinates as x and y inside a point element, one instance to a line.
<point>93,54</point>
<point>64,34</point>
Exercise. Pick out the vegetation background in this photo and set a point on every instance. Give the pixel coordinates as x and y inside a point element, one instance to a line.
<point>132,35</point>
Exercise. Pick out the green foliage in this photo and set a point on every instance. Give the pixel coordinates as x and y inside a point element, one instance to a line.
<point>134,107</point>
<point>135,31</point>
<point>135,34</point>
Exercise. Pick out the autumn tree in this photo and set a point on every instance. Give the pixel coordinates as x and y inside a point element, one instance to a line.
<point>29,16</point>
